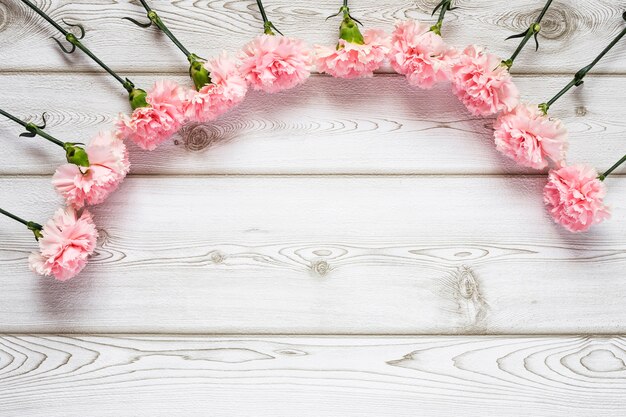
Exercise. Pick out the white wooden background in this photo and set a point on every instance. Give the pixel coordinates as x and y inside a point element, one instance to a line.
<point>348,248</point>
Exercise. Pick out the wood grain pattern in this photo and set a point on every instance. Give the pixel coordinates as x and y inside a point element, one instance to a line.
<point>571,34</point>
<point>354,255</point>
<point>327,126</point>
<point>338,377</point>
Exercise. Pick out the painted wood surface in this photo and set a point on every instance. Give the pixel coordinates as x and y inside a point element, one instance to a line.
<point>199,376</point>
<point>327,126</point>
<point>340,217</point>
<point>323,255</point>
<point>572,31</point>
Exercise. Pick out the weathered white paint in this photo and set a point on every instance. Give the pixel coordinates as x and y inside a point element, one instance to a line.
<point>363,246</point>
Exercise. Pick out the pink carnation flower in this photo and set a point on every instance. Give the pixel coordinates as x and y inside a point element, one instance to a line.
<point>529,137</point>
<point>351,60</point>
<point>420,54</point>
<point>150,126</point>
<point>228,88</point>
<point>273,63</point>
<point>483,85</point>
<point>68,240</point>
<point>108,166</point>
<point>574,196</point>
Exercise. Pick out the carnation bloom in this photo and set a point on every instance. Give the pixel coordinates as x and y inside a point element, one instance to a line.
<point>108,166</point>
<point>352,60</point>
<point>149,126</point>
<point>530,137</point>
<point>483,85</point>
<point>68,240</point>
<point>227,89</point>
<point>420,54</point>
<point>574,196</point>
<point>273,63</point>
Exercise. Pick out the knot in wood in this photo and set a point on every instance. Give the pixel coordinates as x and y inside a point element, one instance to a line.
<point>321,267</point>
<point>197,137</point>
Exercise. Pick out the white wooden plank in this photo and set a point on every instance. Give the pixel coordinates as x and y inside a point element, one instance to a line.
<point>354,255</point>
<point>326,126</point>
<point>571,34</point>
<point>338,377</point>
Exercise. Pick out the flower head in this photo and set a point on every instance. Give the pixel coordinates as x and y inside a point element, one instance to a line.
<point>227,89</point>
<point>150,126</point>
<point>420,54</point>
<point>483,85</point>
<point>352,60</point>
<point>530,137</point>
<point>273,63</point>
<point>108,166</point>
<point>573,196</point>
<point>68,240</point>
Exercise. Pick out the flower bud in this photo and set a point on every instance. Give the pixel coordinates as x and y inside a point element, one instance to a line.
<point>198,72</point>
<point>137,98</point>
<point>76,155</point>
<point>349,31</point>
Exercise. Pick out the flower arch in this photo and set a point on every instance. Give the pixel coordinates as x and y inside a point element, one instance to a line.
<point>272,62</point>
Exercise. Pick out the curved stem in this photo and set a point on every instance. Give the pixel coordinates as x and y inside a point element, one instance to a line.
<point>533,30</point>
<point>578,77</point>
<point>32,226</point>
<point>613,168</point>
<point>156,20</point>
<point>44,135</point>
<point>14,217</point>
<point>445,6</point>
<point>262,10</point>
<point>33,128</point>
<point>71,38</point>
<point>15,119</point>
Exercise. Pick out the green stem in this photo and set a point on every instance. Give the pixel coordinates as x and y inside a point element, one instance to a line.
<point>578,77</point>
<point>533,30</point>
<point>71,38</point>
<point>32,226</point>
<point>267,25</point>
<point>445,6</point>
<point>156,20</point>
<point>33,128</point>
<point>602,177</point>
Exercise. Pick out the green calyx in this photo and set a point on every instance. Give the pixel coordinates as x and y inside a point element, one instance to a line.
<point>36,229</point>
<point>436,28</point>
<point>267,28</point>
<point>198,72</point>
<point>544,107</point>
<point>76,155</point>
<point>137,98</point>
<point>349,30</point>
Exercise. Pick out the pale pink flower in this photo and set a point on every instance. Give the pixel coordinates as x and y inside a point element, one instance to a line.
<point>530,137</point>
<point>150,126</point>
<point>227,89</point>
<point>108,166</point>
<point>420,54</point>
<point>483,85</point>
<point>351,60</point>
<point>574,196</point>
<point>68,241</point>
<point>273,63</point>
